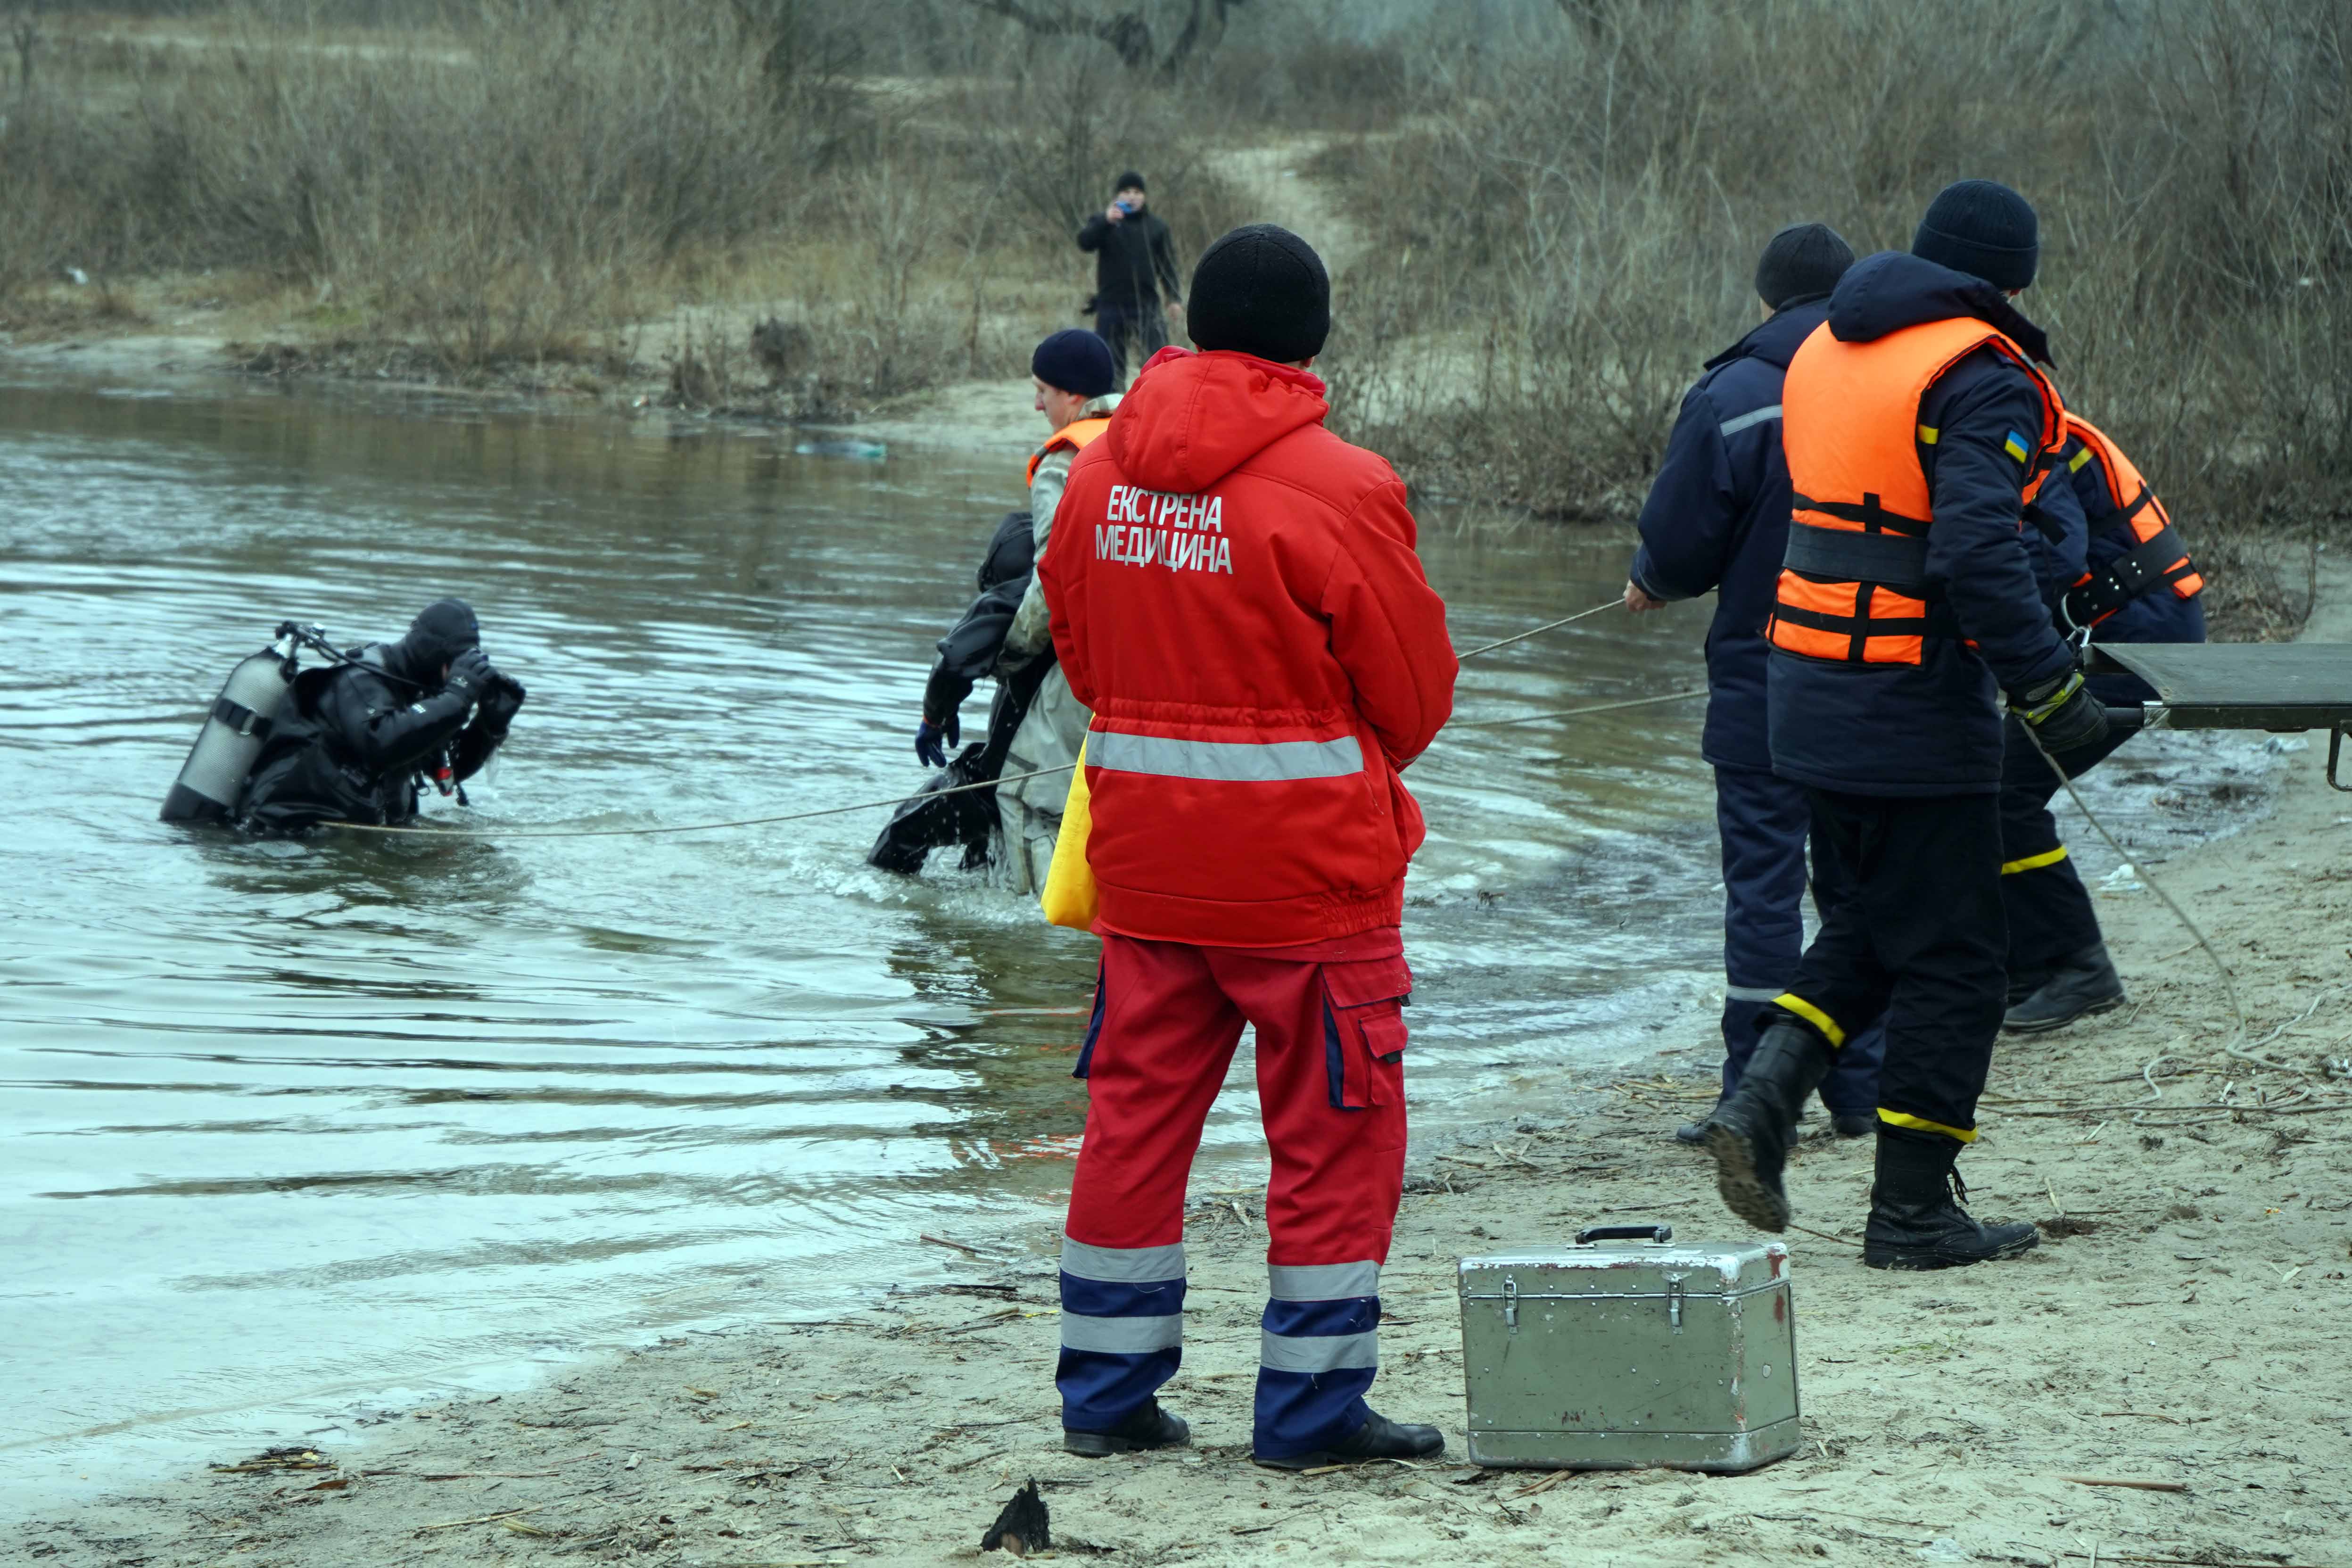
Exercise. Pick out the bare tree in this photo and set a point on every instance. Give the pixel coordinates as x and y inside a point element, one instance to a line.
<point>1127,32</point>
<point>24,34</point>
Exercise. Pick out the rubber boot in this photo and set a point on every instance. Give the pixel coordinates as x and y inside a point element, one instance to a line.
<point>1378,1438</point>
<point>2087,982</point>
<point>1852,1123</point>
<point>1149,1427</point>
<point>1750,1133</point>
<point>1916,1219</point>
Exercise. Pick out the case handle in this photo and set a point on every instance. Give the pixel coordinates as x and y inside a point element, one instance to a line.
<point>1624,1233</point>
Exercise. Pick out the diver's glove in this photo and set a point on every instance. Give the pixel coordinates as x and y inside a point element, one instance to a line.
<point>471,675</point>
<point>931,740</point>
<point>502,702</point>
<point>2064,713</point>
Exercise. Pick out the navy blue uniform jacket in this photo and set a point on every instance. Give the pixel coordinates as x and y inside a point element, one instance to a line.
<point>1717,520</point>
<point>1934,728</point>
<point>2092,536</point>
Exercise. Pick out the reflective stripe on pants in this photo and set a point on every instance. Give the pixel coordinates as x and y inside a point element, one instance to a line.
<point>1122,1329</point>
<point>1318,1353</point>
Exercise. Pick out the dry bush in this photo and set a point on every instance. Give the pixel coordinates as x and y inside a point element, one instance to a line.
<point>1565,226</point>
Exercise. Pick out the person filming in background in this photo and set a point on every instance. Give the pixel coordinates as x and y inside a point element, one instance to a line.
<point>1135,264</point>
<point>355,739</point>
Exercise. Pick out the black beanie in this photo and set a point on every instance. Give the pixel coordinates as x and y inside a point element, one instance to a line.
<point>1803,261</point>
<point>1261,290</point>
<point>1983,228</point>
<point>1076,361</point>
<point>442,630</point>
<point>1130,181</point>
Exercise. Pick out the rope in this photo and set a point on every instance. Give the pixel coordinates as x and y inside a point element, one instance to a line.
<point>688,826</point>
<point>2228,981</point>
<point>991,784</point>
<point>1537,631</point>
<point>1575,712</point>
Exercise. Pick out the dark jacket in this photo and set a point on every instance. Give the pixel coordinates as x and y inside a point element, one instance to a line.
<point>973,644</point>
<point>1934,728</point>
<point>351,738</point>
<point>1717,520</point>
<point>1131,257</point>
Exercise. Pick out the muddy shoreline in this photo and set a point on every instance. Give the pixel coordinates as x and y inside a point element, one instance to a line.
<point>2185,1324</point>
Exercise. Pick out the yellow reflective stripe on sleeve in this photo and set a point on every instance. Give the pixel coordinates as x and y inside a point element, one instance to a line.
<point>1903,1118</point>
<point>1927,434</point>
<point>2033,862</point>
<point>1811,1015</point>
<point>2075,464</point>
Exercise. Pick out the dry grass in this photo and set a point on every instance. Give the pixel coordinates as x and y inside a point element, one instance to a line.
<point>1567,227</point>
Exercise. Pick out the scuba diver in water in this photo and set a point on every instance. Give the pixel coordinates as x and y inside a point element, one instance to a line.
<point>354,740</point>
<point>1035,726</point>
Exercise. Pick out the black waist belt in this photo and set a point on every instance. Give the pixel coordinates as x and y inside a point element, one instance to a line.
<point>2139,570</point>
<point>1896,560</point>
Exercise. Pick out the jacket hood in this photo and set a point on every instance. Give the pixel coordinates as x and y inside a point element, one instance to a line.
<point>1776,341</point>
<point>1884,293</point>
<point>1190,418</point>
<point>1012,552</point>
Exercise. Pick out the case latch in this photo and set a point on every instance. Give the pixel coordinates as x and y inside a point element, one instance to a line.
<point>1675,1301</point>
<point>1511,1302</point>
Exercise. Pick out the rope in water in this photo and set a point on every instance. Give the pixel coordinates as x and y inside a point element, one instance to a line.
<point>989,784</point>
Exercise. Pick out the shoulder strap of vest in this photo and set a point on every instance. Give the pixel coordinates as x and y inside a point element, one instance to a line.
<point>1075,437</point>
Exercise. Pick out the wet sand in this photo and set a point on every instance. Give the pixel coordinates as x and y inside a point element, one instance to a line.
<point>2185,1323</point>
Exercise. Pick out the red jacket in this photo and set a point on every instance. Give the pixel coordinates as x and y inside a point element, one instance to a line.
<point>1236,596</point>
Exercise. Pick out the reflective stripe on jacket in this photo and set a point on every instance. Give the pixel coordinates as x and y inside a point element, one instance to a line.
<point>1235,595</point>
<point>2143,551</point>
<point>1855,584</point>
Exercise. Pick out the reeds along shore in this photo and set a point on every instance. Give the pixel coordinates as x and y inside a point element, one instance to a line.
<point>1549,213</point>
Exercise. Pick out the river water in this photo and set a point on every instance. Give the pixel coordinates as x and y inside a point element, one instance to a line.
<point>289,1131</point>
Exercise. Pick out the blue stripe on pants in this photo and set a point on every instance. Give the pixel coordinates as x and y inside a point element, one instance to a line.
<point>1315,1359</point>
<point>1122,1329</point>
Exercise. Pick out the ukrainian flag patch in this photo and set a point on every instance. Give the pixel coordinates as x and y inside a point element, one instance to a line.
<point>2015,447</point>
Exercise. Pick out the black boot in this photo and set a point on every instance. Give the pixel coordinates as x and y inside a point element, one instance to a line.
<point>2087,982</point>
<point>1694,1131</point>
<point>1149,1427</point>
<point>1914,1220</point>
<point>1378,1438</point>
<point>1749,1133</point>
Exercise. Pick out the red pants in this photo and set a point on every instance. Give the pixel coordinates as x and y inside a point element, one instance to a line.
<point>1330,1074</point>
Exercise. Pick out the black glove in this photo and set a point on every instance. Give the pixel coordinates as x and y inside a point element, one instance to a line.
<point>502,702</point>
<point>2064,713</point>
<point>928,736</point>
<point>471,675</point>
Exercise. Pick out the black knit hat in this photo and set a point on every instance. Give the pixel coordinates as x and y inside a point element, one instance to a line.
<point>1076,361</point>
<point>1983,228</point>
<point>1803,261</point>
<point>1130,181</point>
<point>1261,290</point>
<point>442,630</point>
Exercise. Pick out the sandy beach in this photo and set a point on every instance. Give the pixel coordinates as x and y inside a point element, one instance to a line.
<point>2183,1330</point>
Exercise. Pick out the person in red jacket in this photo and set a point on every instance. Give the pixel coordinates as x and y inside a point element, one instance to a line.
<point>1237,598</point>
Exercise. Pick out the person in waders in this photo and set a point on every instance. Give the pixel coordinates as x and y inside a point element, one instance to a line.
<point>1235,595</point>
<point>2113,567</point>
<point>1716,521</point>
<point>355,739</point>
<point>1916,422</point>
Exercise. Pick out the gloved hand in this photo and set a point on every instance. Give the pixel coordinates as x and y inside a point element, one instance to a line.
<point>502,701</point>
<point>2064,712</point>
<point>929,738</point>
<point>471,675</point>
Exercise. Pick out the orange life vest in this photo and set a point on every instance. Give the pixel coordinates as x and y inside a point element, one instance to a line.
<point>1076,436</point>
<point>1854,585</point>
<point>2158,555</point>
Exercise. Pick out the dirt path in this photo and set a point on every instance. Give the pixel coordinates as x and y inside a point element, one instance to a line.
<point>2187,1323</point>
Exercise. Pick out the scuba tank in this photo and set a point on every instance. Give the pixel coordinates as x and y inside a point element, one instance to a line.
<point>232,736</point>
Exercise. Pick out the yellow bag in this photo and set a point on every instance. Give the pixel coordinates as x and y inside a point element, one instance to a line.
<point>1070,897</point>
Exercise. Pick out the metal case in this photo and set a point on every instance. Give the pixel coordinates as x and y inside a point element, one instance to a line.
<point>1620,1353</point>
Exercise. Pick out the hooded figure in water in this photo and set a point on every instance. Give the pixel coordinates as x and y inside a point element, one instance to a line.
<point>355,739</point>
